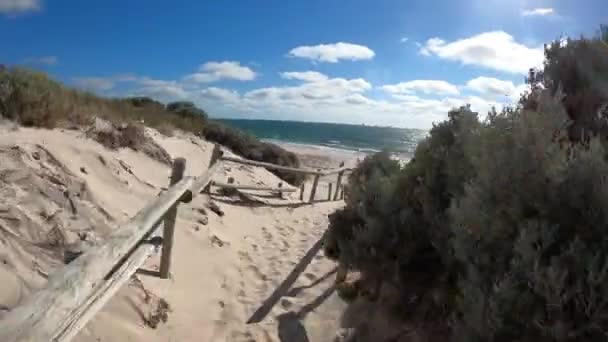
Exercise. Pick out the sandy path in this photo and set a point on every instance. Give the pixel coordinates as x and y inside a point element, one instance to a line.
<point>256,264</point>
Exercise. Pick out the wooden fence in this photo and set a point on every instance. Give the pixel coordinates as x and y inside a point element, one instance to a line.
<point>317,173</point>
<point>75,293</point>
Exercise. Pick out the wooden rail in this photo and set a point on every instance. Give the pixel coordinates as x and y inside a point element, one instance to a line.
<point>270,166</point>
<point>252,187</point>
<point>75,293</point>
<point>317,173</point>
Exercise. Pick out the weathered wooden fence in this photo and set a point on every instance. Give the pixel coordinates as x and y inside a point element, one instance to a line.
<point>317,173</point>
<point>75,293</point>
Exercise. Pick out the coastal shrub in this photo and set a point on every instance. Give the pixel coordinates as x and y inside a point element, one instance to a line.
<point>496,229</point>
<point>29,98</point>
<point>531,232</point>
<point>186,109</point>
<point>127,135</point>
<point>252,148</point>
<point>579,69</point>
<point>395,226</point>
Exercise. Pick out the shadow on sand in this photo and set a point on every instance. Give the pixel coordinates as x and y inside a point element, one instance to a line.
<point>283,288</point>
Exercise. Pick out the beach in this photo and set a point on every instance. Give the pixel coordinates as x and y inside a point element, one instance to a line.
<point>249,272</point>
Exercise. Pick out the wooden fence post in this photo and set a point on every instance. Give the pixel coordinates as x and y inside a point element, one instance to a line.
<point>329,191</point>
<point>280,192</point>
<point>177,173</point>
<point>342,192</point>
<point>313,191</point>
<point>216,154</point>
<point>302,191</point>
<point>339,183</point>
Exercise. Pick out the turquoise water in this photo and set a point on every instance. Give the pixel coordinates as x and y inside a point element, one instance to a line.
<point>351,137</point>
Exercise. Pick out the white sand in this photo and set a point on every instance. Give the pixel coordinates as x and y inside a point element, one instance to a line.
<point>256,263</point>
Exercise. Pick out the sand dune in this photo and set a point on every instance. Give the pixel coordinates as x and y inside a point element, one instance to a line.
<point>259,263</point>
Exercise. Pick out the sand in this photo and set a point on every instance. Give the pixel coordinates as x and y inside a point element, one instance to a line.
<point>254,274</point>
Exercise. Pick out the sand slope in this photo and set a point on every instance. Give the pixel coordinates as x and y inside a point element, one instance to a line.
<point>60,192</point>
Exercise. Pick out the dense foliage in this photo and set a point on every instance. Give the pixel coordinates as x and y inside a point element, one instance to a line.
<point>496,228</point>
<point>33,99</point>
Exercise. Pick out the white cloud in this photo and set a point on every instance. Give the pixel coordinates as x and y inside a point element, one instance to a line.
<point>19,6</point>
<point>493,87</point>
<point>332,53</point>
<point>161,89</point>
<point>219,94</point>
<point>494,50</point>
<point>404,39</point>
<point>422,86</point>
<point>306,76</point>
<point>95,83</point>
<point>216,71</point>
<point>537,12</point>
<point>44,60</point>
<point>102,83</point>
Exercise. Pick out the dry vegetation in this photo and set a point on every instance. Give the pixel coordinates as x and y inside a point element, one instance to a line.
<point>31,98</point>
<point>496,230</point>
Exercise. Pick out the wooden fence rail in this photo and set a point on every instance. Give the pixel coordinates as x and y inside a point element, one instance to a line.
<point>317,173</point>
<point>252,187</point>
<point>76,292</point>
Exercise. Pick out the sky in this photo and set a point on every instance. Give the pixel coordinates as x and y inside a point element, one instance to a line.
<point>382,62</point>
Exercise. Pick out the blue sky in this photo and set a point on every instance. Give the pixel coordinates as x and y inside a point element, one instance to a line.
<point>400,63</point>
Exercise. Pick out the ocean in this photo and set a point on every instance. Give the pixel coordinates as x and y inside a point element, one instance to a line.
<point>361,138</point>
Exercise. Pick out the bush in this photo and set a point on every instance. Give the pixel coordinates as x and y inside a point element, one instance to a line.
<point>496,229</point>
<point>578,68</point>
<point>394,227</point>
<point>30,98</point>
<point>128,135</point>
<point>250,147</point>
<point>186,110</point>
<point>530,229</point>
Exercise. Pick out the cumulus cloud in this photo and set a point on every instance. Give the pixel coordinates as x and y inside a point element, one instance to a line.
<point>422,86</point>
<point>537,12</point>
<point>332,53</point>
<point>95,83</point>
<point>216,71</point>
<point>404,40</point>
<point>102,83</point>
<point>219,94</point>
<point>19,6</point>
<point>306,76</point>
<point>44,60</point>
<point>318,97</point>
<point>493,87</point>
<point>495,50</point>
<point>162,89</point>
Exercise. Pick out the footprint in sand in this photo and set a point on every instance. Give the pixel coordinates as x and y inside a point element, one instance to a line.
<point>286,303</point>
<point>310,276</point>
<point>244,256</point>
<point>256,271</point>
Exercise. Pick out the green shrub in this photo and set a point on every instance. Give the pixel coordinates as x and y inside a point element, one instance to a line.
<point>252,148</point>
<point>394,227</point>
<point>496,229</point>
<point>186,110</point>
<point>578,68</point>
<point>30,98</point>
<point>530,230</point>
